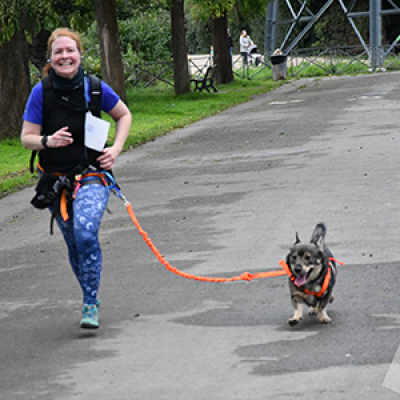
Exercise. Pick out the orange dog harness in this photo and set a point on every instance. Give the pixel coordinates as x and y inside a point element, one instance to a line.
<point>325,284</point>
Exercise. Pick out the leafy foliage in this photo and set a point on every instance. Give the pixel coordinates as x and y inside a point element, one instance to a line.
<point>198,33</point>
<point>21,14</point>
<point>144,39</point>
<point>204,9</point>
<point>127,9</point>
<point>149,36</point>
<point>9,19</point>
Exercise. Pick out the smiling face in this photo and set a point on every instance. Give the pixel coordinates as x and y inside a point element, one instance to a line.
<point>65,57</point>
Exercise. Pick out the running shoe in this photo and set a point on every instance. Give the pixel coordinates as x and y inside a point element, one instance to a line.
<point>90,318</point>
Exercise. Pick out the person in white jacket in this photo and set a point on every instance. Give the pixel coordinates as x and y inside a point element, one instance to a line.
<point>245,42</point>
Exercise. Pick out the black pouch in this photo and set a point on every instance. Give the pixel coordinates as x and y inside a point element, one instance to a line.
<point>48,189</point>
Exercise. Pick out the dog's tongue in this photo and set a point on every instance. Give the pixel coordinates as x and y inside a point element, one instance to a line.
<point>300,280</point>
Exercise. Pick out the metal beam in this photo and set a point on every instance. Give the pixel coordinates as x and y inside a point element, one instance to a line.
<point>270,27</point>
<point>375,38</point>
<point>293,25</point>
<point>309,25</point>
<point>394,11</point>
<point>375,14</point>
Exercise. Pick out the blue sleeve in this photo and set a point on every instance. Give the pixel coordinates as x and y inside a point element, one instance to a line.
<point>109,98</point>
<point>34,107</point>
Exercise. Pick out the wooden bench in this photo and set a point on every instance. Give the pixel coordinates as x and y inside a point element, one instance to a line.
<point>207,81</point>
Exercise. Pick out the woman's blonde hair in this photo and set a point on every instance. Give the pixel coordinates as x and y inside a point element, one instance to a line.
<point>56,34</point>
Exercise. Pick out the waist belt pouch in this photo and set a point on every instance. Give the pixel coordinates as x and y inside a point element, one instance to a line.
<point>48,189</point>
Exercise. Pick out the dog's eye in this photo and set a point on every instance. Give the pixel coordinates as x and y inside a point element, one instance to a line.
<point>307,257</point>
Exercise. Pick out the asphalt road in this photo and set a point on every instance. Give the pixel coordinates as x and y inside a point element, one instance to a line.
<point>223,196</point>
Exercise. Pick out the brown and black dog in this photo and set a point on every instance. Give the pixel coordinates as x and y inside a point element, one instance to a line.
<point>313,276</point>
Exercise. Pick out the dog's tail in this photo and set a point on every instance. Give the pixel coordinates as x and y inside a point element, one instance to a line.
<point>319,233</point>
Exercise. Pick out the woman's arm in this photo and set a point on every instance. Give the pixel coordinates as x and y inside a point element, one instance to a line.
<point>30,136</point>
<point>123,118</point>
<point>32,140</point>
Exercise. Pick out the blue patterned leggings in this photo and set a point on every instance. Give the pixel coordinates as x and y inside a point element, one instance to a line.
<point>81,234</point>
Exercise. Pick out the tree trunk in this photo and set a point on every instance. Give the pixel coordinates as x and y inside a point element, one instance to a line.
<point>14,84</point>
<point>179,48</point>
<point>112,69</point>
<point>223,72</point>
<point>37,50</point>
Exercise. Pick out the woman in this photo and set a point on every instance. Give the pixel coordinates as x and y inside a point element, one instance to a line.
<point>245,42</point>
<point>61,150</point>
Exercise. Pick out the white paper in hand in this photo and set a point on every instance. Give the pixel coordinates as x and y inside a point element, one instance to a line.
<point>96,132</point>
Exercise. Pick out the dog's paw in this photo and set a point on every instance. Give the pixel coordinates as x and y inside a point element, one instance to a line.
<point>312,311</point>
<point>331,298</point>
<point>325,320</point>
<point>294,321</point>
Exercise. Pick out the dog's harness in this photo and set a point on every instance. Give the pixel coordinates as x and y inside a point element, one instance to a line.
<point>325,284</point>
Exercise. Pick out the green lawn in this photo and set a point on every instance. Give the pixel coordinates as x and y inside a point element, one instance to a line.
<point>155,110</point>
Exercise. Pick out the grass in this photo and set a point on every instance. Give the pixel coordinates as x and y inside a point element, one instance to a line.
<point>14,167</point>
<point>155,111</point>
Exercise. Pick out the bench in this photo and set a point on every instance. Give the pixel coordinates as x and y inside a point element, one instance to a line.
<point>207,81</point>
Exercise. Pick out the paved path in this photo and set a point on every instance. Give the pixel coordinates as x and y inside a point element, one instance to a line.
<point>220,197</point>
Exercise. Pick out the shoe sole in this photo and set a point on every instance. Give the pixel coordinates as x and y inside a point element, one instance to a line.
<point>89,325</point>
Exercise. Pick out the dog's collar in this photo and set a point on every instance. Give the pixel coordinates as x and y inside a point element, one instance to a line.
<point>325,284</point>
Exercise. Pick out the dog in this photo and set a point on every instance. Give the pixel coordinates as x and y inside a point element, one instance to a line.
<point>312,276</point>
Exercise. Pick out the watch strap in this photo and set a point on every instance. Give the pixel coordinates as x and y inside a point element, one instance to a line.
<point>44,141</point>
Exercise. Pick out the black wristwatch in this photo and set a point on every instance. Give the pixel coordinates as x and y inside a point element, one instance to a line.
<point>45,138</point>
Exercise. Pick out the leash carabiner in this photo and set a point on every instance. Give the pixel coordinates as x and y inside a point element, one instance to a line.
<point>114,188</point>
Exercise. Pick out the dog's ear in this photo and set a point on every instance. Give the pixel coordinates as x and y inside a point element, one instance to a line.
<point>297,239</point>
<point>320,243</point>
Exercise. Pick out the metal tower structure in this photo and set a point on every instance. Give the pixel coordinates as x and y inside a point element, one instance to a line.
<point>303,16</point>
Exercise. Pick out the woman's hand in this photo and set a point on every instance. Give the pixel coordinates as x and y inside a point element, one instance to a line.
<point>123,118</point>
<point>108,158</point>
<point>60,138</point>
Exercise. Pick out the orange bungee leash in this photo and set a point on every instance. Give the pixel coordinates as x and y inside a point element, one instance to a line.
<point>245,276</point>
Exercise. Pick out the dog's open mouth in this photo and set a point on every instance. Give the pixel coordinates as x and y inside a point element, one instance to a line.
<point>300,280</point>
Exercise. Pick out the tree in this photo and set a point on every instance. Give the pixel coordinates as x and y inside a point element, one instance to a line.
<point>112,69</point>
<point>223,72</point>
<point>37,48</point>
<point>14,84</point>
<point>14,71</point>
<point>179,48</point>
<point>217,10</point>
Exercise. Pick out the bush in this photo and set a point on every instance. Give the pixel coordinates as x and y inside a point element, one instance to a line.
<point>145,39</point>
